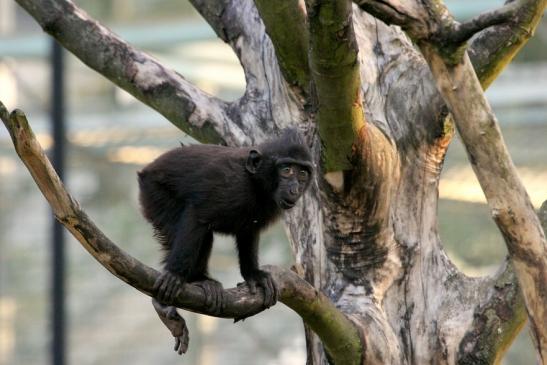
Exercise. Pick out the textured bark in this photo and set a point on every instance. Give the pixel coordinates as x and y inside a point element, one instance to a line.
<point>384,291</point>
<point>289,38</point>
<point>509,203</point>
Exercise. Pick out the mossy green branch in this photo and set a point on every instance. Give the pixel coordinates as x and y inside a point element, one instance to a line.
<point>335,71</point>
<point>286,24</point>
<point>337,333</point>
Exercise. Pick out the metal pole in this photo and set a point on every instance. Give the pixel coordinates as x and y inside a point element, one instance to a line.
<point>58,323</point>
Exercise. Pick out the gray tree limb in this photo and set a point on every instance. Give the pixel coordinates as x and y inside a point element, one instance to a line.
<point>193,111</point>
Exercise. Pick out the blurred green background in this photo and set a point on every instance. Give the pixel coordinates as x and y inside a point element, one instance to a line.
<point>111,136</point>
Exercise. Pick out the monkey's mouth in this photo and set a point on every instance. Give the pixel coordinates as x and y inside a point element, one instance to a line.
<point>286,204</point>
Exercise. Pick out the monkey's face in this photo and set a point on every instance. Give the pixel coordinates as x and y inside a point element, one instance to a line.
<point>293,179</point>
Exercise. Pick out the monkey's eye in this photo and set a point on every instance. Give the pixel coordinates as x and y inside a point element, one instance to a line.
<point>286,171</point>
<point>302,175</point>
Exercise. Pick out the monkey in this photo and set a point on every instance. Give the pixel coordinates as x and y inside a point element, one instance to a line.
<point>191,192</point>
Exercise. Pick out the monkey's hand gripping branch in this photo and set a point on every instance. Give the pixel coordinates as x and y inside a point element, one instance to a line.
<point>340,337</point>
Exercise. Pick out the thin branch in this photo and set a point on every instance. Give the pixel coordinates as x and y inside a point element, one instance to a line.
<point>339,335</point>
<point>405,14</point>
<point>463,31</point>
<point>286,24</point>
<point>390,12</point>
<point>335,72</point>
<point>193,111</point>
<point>238,23</point>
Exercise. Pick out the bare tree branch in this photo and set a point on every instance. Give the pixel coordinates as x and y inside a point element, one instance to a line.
<point>404,13</point>
<point>286,24</point>
<point>463,31</point>
<point>238,23</point>
<point>339,335</point>
<point>335,72</point>
<point>494,48</point>
<point>196,113</point>
<point>227,17</point>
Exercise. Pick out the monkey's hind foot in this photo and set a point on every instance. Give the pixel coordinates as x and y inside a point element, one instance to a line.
<point>264,280</point>
<point>175,323</point>
<point>214,294</point>
<point>167,287</point>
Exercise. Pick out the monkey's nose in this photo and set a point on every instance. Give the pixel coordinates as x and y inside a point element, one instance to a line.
<point>293,190</point>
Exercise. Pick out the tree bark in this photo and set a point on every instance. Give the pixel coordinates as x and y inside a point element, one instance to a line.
<point>378,287</point>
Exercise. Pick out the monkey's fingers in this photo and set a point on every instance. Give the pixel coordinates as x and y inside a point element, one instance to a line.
<point>270,290</point>
<point>181,343</point>
<point>214,295</point>
<point>251,284</point>
<point>270,298</point>
<point>160,287</point>
<point>167,287</point>
<point>172,287</point>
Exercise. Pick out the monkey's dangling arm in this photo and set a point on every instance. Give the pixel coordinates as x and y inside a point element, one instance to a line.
<point>175,323</point>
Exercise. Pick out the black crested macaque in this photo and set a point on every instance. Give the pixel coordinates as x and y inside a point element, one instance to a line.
<point>191,192</point>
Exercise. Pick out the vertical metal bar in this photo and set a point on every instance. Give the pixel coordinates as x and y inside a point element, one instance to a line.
<point>58,323</point>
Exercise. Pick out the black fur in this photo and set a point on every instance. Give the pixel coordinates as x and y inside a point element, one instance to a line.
<point>192,191</point>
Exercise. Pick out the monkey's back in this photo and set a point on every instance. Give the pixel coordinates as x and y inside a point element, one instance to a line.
<point>210,179</point>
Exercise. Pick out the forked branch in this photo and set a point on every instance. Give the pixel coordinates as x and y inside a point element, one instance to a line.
<point>338,334</point>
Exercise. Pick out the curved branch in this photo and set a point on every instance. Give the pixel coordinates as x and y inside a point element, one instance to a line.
<point>238,24</point>
<point>339,335</point>
<point>285,23</point>
<point>463,31</point>
<point>187,107</point>
<point>494,48</point>
<point>335,72</point>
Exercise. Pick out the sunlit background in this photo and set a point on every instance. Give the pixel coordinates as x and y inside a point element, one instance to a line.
<point>111,136</point>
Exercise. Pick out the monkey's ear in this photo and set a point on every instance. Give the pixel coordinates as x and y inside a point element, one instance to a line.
<point>253,161</point>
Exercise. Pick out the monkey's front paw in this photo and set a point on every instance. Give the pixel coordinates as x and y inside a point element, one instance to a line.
<point>167,287</point>
<point>214,294</point>
<point>265,281</point>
